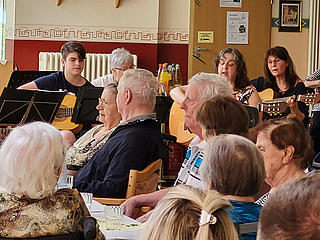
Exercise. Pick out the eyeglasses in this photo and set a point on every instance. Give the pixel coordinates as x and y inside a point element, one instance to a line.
<point>124,69</point>
<point>102,101</point>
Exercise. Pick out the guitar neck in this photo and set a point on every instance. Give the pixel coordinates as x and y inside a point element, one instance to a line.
<point>310,98</point>
<point>277,100</point>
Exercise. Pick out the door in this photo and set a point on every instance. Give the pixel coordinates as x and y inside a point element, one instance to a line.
<point>206,15</point>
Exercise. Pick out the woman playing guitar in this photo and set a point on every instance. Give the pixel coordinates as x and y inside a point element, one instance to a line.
<point>281,77</point>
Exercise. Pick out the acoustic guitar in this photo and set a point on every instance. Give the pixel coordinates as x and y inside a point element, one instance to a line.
<point>63,117</point>
<point>279,105</point>
<point>177,126</point>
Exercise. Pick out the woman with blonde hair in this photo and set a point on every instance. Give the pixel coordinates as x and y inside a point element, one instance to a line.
<point>187,213</point>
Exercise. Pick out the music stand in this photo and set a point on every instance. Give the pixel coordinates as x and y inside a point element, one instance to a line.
<point>253,115</point>
<point>22,106</point>
<point>19,78</point>
<point>162,108</point>
<point>85,111</point>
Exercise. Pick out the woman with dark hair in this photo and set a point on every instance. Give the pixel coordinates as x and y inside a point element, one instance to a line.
<point>281,77</point>
<point>230,64</point>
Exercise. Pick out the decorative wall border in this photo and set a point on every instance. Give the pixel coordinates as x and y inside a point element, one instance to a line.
<point>97,34</point>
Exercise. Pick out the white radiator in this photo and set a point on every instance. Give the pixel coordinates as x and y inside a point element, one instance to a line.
<point>96,64</point>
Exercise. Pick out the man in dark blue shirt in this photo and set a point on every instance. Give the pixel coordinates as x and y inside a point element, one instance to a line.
<point>134,144</point>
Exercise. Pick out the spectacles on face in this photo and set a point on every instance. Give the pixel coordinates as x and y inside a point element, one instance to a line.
<point>102,101</point>
<point>124,69</point>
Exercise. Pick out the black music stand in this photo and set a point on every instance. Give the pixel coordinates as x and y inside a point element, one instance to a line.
<point>253,115</point>
<point>22,106</point>
<point>162,108</point>
<point>85,111</point>
<point>19,78</point>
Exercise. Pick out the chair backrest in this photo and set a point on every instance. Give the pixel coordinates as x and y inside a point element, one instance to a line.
<point>144,181</point>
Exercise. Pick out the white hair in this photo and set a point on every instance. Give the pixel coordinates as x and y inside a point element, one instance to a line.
<point>120,56</point>
<point>142,84</point>
<point>30,158</point>
<point>211,85</point>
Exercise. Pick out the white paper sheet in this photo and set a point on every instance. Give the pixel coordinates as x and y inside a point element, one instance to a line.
<point>231,3</point>
<point>237,27</point>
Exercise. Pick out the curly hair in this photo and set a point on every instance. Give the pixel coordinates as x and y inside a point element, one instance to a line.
<point>242,79</point>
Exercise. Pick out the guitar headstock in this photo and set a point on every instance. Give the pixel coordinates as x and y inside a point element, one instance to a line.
<point>273,108</point>
<point>310,98</point>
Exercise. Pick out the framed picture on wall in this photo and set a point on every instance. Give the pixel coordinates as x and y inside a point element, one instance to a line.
<point>290,16</point>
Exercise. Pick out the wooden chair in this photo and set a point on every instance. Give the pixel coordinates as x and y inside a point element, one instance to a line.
<point>139,182</point>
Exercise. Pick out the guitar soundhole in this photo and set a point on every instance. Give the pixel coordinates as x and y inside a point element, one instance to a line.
<point>61,114</point>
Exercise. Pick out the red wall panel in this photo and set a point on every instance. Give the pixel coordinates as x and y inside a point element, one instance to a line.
<point>149,55</point>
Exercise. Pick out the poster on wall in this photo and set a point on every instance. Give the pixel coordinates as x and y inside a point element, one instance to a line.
<point>237,27</point>
<point>231,3</point>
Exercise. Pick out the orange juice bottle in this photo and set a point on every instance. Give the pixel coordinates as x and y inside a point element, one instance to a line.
<point>164,77</point>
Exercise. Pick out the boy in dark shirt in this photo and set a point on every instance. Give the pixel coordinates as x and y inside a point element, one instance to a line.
<point>73,55</point>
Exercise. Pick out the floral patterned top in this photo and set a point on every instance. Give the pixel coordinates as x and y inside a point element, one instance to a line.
<point>85,147</point>
<point>60,213</point>
<point>243,94</point>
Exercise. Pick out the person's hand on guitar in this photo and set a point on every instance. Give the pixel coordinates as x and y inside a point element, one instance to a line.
<point>293,105</point>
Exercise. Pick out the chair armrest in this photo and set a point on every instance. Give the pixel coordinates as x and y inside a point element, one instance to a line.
<point>110,201</point>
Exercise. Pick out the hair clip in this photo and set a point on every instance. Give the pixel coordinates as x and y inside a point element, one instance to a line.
<point>206,218</point>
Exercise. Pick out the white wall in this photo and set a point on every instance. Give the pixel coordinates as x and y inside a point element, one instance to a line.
<point>148,21</point>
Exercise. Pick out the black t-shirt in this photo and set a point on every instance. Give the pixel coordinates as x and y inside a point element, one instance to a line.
<point>56,81</point>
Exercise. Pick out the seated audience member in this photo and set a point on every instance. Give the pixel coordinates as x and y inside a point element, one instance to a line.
<point>292,211</point>
<point>31,158</point>
<point>120,61</point>
<point>230,64</point>
<point>287,151</point>
<point>281,77</point>
<point>222,115</point>
<point>70,79</point>
<point>190,213</point>
<point>234,167</point>
<point>313,81</point>
<point>201,87</point>
<point>134,144</point>
<point>87,145</point>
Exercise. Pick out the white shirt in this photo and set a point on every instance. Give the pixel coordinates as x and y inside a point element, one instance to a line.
<point>103,81</point>
<point>189,171</point>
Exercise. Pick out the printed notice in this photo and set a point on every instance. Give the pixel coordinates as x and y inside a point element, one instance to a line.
<point>237,27</point>
<point>205,36</point>
<point>231,3</point>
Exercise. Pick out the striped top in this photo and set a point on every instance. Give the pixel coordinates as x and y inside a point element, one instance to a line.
<point>263,199</point>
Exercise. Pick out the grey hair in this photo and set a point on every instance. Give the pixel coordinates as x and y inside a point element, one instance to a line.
<point>211,85</point>
<point>142,84</point>
<point>113,87</point>
<point>232,165</point>
<point>120,56</point>
<point>30,158</point>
